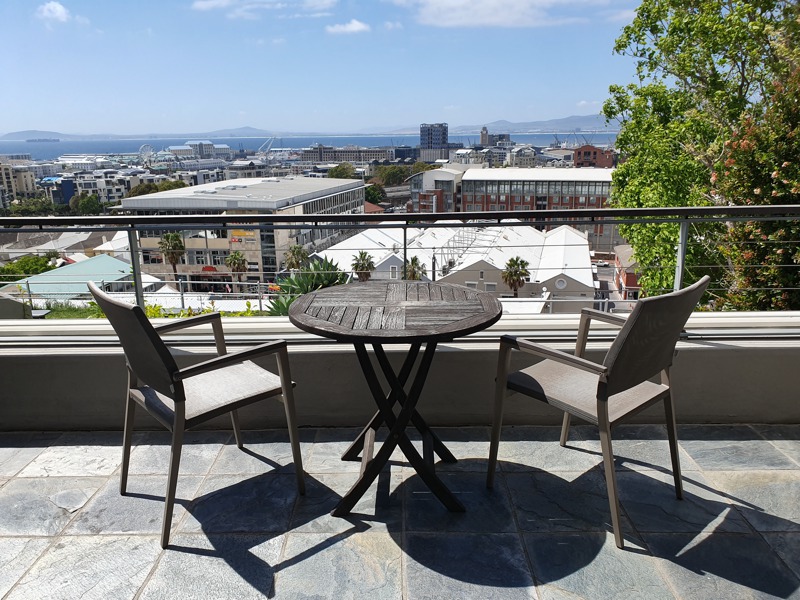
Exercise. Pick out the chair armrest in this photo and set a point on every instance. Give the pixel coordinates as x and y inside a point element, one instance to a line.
<point>530,347</point>
<point>588,315</point>
<point>599,315</point>
<point>230,359</point>
<point>216,324</point>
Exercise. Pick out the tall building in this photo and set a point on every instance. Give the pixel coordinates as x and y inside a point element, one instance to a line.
<point>433,136</point>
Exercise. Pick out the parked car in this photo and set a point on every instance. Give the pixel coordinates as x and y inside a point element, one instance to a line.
<point>602,263</point>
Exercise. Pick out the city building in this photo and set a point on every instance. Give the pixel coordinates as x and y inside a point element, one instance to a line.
<point>592,156</point>
<point>264,249</point>
<point>493,139</point>
<point>351,154</point>
<point>626,272</point>
<point>16,181</point>
<point>433,136</point>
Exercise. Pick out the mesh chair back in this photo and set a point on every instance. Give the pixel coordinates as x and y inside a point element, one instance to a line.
<point>646,343</point>
<point>147,355</point>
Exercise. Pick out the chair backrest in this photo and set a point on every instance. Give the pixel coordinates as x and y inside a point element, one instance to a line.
<point>147,355</point>
<point>646,343</point>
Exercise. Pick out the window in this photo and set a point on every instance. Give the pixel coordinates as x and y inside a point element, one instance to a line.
<point>393,272</point>
<point>480,274</point>
<point>473,285</point>
<point>490,287</point>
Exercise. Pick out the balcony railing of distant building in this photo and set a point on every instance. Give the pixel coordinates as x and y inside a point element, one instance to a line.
<point>217,288</point>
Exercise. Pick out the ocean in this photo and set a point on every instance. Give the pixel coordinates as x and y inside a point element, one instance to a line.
<point>52,150</point>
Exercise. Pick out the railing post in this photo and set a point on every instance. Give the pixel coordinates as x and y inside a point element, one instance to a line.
<point>133,244</point>
<point>405,249</point>
<point>680,258</point>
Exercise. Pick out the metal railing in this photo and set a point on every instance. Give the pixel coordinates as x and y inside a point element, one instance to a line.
<point>601,225</point>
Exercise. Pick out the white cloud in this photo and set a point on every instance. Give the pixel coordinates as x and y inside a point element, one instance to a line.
<point>393,25</point>
<point>622,16</point>
<point>53,11</point>
<point>253,9</point>
<point>492,13</point>
<point>211,4</point>
<point>316,6</point>
<point>354,26</point>
<point>588,103</point>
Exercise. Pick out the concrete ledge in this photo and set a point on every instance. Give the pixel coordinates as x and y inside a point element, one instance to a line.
<point>719,381</point>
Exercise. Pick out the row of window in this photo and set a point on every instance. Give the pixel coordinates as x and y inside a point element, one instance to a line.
<point>538,188</point>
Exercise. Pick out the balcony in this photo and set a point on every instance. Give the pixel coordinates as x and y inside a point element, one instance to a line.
<point>240,530</point>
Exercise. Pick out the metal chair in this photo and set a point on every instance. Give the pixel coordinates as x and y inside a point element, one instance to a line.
<point>180,399</point>
<point>608,393</point>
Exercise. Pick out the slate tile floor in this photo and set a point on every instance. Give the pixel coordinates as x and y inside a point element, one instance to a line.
<point>241,531</point>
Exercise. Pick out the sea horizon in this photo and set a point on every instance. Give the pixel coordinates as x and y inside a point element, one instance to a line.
<point>51,150</point>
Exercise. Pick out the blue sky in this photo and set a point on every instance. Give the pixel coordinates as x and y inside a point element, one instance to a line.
<point>328,66</point>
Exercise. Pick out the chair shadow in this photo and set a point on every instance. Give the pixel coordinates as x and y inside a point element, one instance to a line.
<point>697,533</point>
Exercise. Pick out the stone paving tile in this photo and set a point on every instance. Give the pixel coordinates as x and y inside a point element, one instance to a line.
<point>215,566</point>
<point>769,500</point>
<point>44,506</point>
<point>537,448</point>
<point>380,509</point>
<point>233,504</point>
<point>649,501</point>
<point>78,454</point>
<point>641,448</point>
<point>549,502</point>
<point>787,546</point>
<point>469,445</point>
<point>264,451</point>
<point>731,448</point>
<point>785,438</point>
<point>326,454</point>
<point>150,455</point>
<point>589,565</point>
<point>19,449</point>
<point>93,567</point>
<point>16,557</point>
<point>722,565</point>
<point>364,565</point>
<point>141,510</point>
<point>487,511</point>
<point>466,565</point>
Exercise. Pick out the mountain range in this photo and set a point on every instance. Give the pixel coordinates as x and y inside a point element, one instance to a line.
<point>571,124</point>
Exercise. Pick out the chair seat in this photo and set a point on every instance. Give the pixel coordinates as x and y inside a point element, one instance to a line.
<point>213,393</point>
<point>575,391</point>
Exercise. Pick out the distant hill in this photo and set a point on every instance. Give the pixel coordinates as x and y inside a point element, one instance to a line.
<point>564,125</point>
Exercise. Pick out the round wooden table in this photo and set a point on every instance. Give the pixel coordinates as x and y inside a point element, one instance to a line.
<point>383,312</point>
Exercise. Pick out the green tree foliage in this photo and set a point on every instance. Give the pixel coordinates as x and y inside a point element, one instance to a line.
<point>170,184</point>
<point>700,64</point>
<point>317,275</point>
<point>172,249</point>
<point>25,267</point>
<point>515,274</point>
<point>36,207</point>
<point>374,193</point>
<point>762,166</point>
<point>414,269</point>
<point>363,265</point>
<point>343,171</point>
<point>237,263</point>
<point>419,167</point>
<point>142,189</point>
<point>89,204</point>
<point>392,175</point>
<point>295,257</point>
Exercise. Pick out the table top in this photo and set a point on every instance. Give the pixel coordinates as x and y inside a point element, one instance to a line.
<point>390,311</point>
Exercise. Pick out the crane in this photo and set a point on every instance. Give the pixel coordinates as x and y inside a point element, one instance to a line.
<point>265,147</point>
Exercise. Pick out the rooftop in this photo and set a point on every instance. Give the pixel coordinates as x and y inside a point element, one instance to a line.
<point>240,530</point>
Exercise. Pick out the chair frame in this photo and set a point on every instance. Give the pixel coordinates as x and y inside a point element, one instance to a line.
<point>601,416</point>
<point>179,424</point>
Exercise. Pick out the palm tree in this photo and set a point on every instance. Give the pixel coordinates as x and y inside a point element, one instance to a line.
<point>172,249</point>
<point>515,274</point>
<point>363,265</point>
<point>415,270</point>
<point>295,257</point>
<point>237,263</point>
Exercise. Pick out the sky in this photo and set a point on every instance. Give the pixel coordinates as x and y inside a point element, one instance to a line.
<point>324,66</point>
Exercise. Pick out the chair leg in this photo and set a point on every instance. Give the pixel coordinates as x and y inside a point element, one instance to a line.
<point>611,481</point>
<point>565,429</point>
<point>503,364</point>
<point>237,432</point>
<point>291,418</point>
<point>127,436</point>
<point>673,446</point>
<point>172,481</point>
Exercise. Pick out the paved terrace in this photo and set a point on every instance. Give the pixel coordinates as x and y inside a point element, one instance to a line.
<point>240,530</point>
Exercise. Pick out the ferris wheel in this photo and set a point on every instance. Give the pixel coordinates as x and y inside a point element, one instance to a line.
<point>146,152</point>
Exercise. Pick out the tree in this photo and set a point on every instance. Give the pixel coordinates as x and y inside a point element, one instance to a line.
<point>170,184</point>
<point>237,263</point>
<point>172,249</point>
<point>701,64</point>
<point>89,205</point>
<point>295,257</point>
<point>375,193</point>
<point>414,269</point>
<point>142,190</point>
<point>363,265</point>
<point>24,267</point>
<point>515,274</point>
<point>392,174</point>
<point>419,167</point>
<point>343,171</point>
